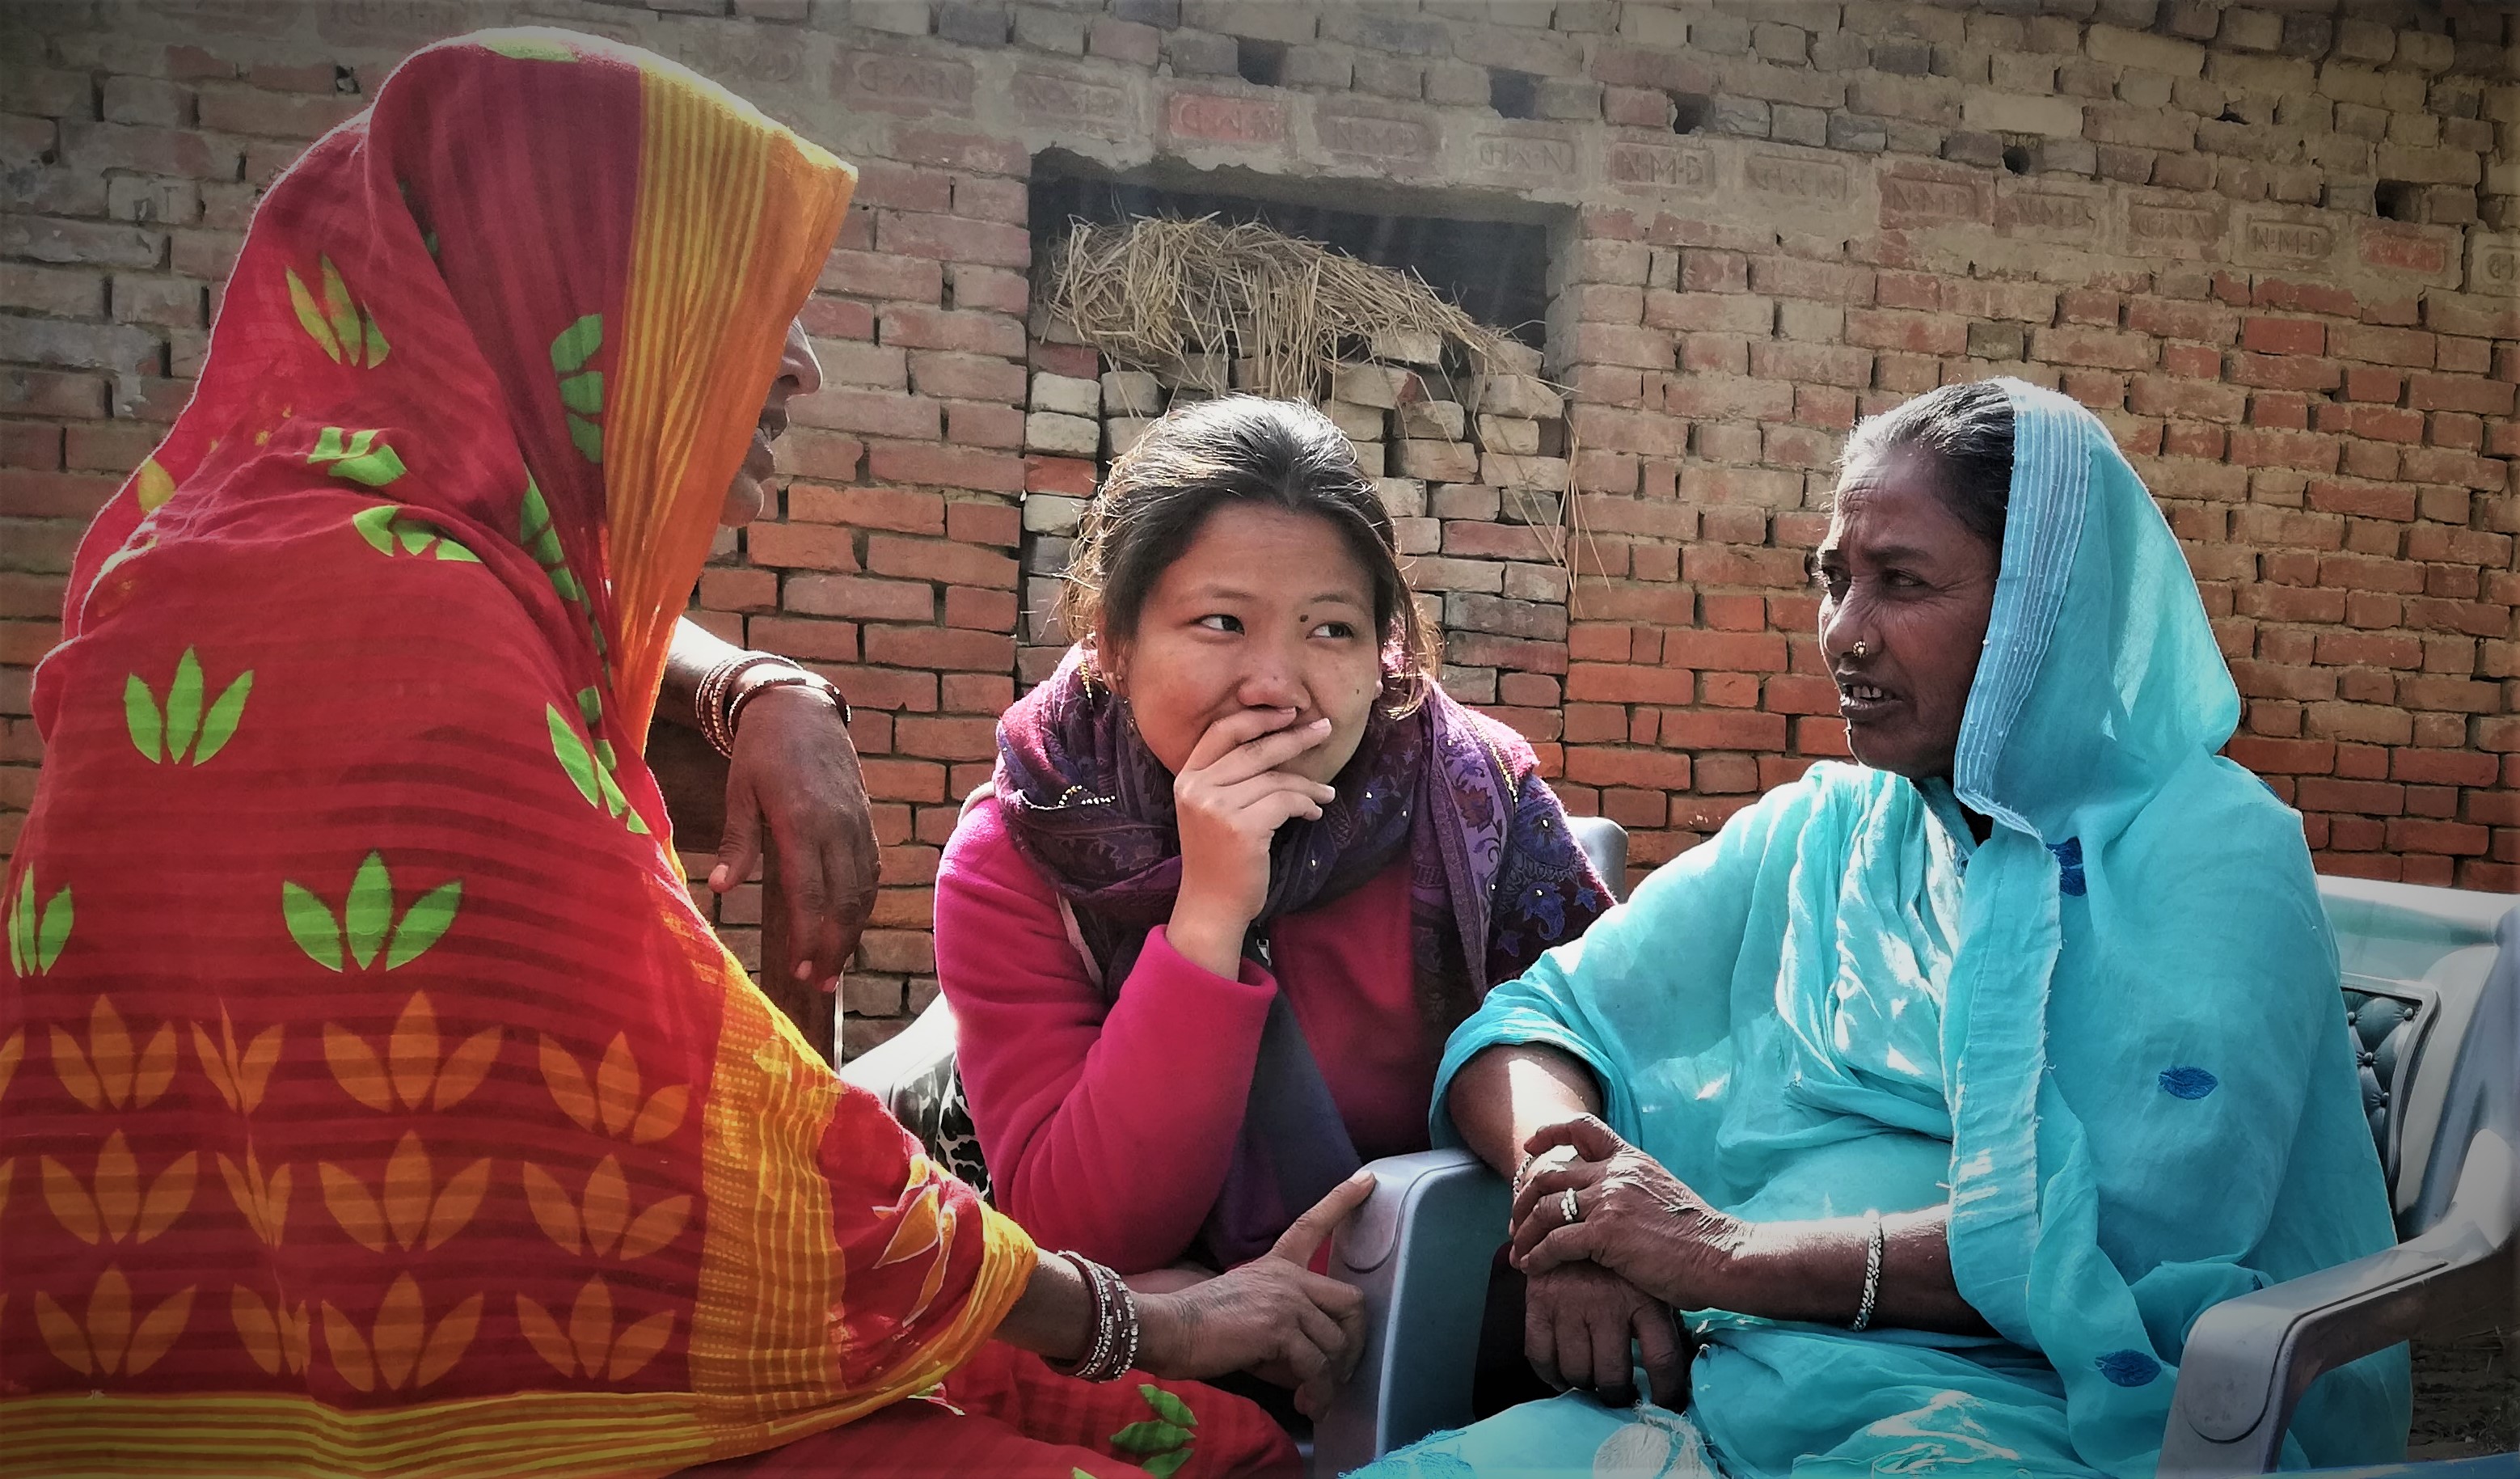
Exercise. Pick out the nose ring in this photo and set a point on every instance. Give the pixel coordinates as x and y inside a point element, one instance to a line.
<point>1858,650</point>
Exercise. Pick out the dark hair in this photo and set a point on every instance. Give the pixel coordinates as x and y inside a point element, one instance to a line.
<point>1236,449</point>
<point>1967,432</point>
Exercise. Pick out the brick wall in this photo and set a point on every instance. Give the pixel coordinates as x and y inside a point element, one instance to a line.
<point>2272,247</point>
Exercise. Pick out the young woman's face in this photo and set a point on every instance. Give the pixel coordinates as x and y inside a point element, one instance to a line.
<point>1906,591</point>
<point>1265,610</point>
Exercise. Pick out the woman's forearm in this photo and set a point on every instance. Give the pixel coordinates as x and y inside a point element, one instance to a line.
<point>1814,1271</point>
<point>1503,1095</point>
<point>695,650</point>
<point>1054,1317</point>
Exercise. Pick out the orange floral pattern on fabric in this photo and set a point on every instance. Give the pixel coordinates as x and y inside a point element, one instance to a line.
<point>371,1095</point>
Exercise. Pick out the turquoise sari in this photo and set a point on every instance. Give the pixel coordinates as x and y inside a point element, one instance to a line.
<point>2110,1036</point>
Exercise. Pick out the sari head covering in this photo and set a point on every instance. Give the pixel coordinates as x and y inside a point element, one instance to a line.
<point>372,1095</point>
<point>2111,1035</point>
<point>1494,879</point>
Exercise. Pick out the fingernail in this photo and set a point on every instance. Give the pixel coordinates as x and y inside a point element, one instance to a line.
<point>718,878</point>
<point>832,987</point>
<point>804,970</point>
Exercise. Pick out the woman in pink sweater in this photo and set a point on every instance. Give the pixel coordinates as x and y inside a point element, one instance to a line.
<point>1243,865</point>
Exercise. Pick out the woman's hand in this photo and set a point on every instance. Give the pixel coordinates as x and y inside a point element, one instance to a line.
<point>1229,801</point>
<point>795,772</point>
<point>1634,1218</point>
<point>1272,1314</point>
<point>1577,1322</point>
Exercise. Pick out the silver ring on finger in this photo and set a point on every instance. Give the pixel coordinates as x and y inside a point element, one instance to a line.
<point>1568,1209</point>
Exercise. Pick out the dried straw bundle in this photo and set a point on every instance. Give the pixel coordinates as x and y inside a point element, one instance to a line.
<point>1163,293</point>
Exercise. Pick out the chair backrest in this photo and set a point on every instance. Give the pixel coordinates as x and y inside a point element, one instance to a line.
<point>2417,963</point>
<point>1605,844</point>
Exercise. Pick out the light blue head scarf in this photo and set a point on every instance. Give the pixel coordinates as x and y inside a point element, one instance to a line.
<point>2111,1035</point>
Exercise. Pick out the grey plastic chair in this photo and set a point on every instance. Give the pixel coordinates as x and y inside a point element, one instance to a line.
<point>2426,961</point>
<point>2438,1024</point>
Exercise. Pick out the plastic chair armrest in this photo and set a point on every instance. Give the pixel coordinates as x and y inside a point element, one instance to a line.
<point>2249,1360</point>
<point>1420,1250</point>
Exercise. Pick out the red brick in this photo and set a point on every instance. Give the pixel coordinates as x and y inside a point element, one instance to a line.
<point>811,546</point>
<point>932,559</point>
<point>861,599</point>
<point>1624,767</point>
<point>992,523</point>
<point>2191,361</point>
<point>2265,756</point>
<point>973,331</point>
<point>1913,333</point>
<point>1067,476</point>
<point>2171,318</point>
<point>836,319</point>
<point>2189,399</point>
<point>2379,346</point>
<point>880,412</point>
<point>2363,797</point>
<point>725,590</point>
<point>1726,651</point>
<point>982,424</point>
<point>867,273</point>
<point>933,648</point>
<point>813,640</point>
<point>2413,834</point>
<point>2272,335</point>
<point>952,238</point>
<point>1701,728</point>
<point>2283,372</point>
<point>1619,682</point>
<point>945,466</point>
<point>944,739</point>
<point>869,508</point>
<point>2457,392</point>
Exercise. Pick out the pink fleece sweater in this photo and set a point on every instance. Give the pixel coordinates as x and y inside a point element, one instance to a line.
<point>1109,1133</point>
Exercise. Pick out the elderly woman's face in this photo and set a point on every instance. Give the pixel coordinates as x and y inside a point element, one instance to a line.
<point>1905,590</point>
<point>799,373</point>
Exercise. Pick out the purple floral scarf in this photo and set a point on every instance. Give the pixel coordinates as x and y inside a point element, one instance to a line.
<point>1495,879</point>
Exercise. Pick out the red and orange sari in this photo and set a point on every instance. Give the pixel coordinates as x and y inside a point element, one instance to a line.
<point>372,1097</point>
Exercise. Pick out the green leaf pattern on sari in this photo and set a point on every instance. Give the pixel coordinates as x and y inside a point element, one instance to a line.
<point>581,390</point>
<point>358,456</point>
<point>1161,1444</point>
<point>593,777</point>
<point>340,325</point>
<point>390,531</point>
<point>366,925</point>
<point>36,935</point>
<point>164,732</point>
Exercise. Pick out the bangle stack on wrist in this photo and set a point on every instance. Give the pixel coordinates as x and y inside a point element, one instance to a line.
<point>720,707</point>
<point>1873,1239</point>
<point>1114,1351</point>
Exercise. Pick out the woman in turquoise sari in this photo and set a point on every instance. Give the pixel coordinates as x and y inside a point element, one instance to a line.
<point>1938,1094</point>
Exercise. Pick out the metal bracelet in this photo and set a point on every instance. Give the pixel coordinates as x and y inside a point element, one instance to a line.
<point>708,701</point>
<point>1872,1239</point>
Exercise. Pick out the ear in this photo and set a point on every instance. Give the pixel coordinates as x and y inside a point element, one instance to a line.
<point>1109,662</point>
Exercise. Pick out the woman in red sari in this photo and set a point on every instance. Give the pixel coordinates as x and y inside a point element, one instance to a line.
<point>372,1098</point>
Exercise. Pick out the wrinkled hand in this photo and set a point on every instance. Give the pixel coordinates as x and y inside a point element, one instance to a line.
<point>1637,1220</point>
<point>1577,1322</point>
<point>795,772</point>
<point>1272,1315</point>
